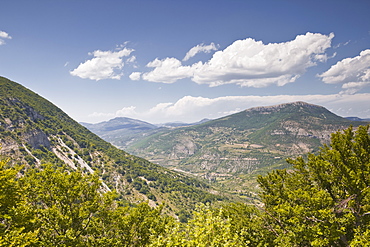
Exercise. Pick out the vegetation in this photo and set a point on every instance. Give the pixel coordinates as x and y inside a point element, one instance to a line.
<point>64,186</point>
<point>55,207</point>
<point>34,132</point>
<point>323,201</point>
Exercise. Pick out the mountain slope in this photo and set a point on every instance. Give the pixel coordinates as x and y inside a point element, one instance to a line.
<point>121,131</point>
<point>251,141</point>
<point>33,131</point>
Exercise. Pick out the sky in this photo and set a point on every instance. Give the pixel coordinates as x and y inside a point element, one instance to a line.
<point>182,61</point>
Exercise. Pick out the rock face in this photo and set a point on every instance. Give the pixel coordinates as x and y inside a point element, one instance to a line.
<point>37,139</point>
<point>185,147</point>
<point>22,123</point>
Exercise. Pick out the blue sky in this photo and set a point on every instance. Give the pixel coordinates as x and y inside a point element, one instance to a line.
<point>162,61</point>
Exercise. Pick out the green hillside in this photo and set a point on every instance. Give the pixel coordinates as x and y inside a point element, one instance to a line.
<point>232,150</point>
<point>306,205</point>
<point>33,132</point>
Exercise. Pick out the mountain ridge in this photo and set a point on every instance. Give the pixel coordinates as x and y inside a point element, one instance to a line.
<point>243,144</point>
<point>122,131</point>
<point>279,106</point>
<point>33,131</point>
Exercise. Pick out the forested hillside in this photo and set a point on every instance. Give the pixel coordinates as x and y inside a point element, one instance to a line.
<point>323,200</point>
<point>34,132</point>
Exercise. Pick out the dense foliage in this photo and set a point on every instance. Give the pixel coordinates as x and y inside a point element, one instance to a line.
<point>323,201</point>
<point>54,207</point>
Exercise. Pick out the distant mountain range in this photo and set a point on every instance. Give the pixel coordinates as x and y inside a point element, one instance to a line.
<point>123,131</point>
<point>229,152</point>
<point>33,132</point>
<point>232,150</point>
<point>358,119</point>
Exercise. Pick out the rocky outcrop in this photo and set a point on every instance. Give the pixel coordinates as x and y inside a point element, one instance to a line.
<point>36,139</point>
<point>184,148</point>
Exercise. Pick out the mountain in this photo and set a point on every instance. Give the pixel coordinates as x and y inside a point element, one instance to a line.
<point>122,131</point>
<point>181,124</point>
<point>119,124</point>
<point>358,119</point>
<point>33,131</point>
<point>232,150</point>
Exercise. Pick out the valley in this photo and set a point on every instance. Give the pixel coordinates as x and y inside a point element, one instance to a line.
<point>230,152</point>
<point>62,185</point>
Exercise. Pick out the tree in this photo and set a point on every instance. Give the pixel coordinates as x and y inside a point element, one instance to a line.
<point>54,206</point>
<point>208,227</point>
<point>14,214</point>
<point>247,223</point>
<point>65,204</point>
<point>324,200</point>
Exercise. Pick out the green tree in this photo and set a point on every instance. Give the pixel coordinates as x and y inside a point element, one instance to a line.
<point>138,224</point>
<point>64,204</point>
<point>207,228</point>
<point>14,214</point>
<point>324,200</point>
<point>247,223</point>
<point>54,206</point>
<point>129,226</point>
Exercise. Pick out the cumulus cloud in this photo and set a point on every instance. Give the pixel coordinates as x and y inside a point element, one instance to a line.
<point>135,76</point>
<point>4,35</point>
<point>199,48</point>
<point>352,73</point>
<point>168,70</point>
<point>254,64</point>
<point>248,63</point>
<point>104,65</point>
<point>192,109</point>
<point>126,111</point>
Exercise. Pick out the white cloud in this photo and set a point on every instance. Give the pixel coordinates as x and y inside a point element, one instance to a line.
<point>341,44</point>
<point>353,73</point>
<point>101,115</point>
<point>199,48</point>
<point>135,76</point>
<point>4,35</point>
<point>168,70</point>
<point>104,65</point>
<point>192,109</point>
<point>253,64</point>
<point>126,111</point>
<point>131,59</point>
<point>248,63</point>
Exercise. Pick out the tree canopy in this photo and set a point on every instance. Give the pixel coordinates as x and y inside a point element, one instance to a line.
<point>324,200</point>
